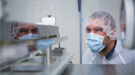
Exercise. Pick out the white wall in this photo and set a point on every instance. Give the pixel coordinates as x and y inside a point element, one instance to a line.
<point>67,16</point>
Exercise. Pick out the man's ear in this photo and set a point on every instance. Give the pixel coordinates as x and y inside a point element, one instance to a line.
<point>11,33</point>
<point>114,32</point>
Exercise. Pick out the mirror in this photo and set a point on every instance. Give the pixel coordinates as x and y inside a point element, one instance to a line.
<point>19,31</point>
<point>127,25</point>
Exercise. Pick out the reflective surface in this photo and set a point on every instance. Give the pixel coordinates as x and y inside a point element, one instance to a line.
<point>60,61</point>
<point>100,69</point>
<point>13,30</point>
<point>13,52</point>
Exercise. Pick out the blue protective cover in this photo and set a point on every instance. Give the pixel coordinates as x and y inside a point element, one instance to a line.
<point>43,44</point>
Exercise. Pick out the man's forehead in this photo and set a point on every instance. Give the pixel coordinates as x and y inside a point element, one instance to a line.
<point>94,26</point>
<point>99,22</point>
<point>23,25</point>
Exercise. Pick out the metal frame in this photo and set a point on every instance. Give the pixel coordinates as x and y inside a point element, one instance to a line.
<point>48,52</point>
<point>130,25</point>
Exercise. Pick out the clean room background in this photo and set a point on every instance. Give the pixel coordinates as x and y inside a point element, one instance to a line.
<point>66,14</point>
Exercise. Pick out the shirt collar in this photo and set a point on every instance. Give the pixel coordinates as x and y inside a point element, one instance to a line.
<point>109,54</point>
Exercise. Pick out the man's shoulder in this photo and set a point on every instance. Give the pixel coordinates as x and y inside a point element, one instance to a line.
<point>88,52</point>
<point>87,56</point>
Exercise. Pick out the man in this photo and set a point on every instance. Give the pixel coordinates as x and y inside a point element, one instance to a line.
<point>104,48</point>
<point>23,31</point>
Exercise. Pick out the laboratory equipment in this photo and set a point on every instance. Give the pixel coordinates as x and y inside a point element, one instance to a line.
<point>34,55</point>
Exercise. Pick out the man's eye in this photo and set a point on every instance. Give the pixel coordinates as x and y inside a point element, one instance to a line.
<point>98,30</point>
<point>34,30</point>
<point>88,29</point>
<point>24,30</point>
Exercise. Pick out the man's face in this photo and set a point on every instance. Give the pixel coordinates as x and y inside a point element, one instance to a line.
<point>27,29</point>
<point>99,31</point>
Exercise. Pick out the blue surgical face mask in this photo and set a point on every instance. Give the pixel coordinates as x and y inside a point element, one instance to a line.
<point>29,36</point>
<point>94,42</point>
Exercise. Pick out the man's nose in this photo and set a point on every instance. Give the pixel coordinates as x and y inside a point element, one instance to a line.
<point>92,31</point>
<point>29,31</point>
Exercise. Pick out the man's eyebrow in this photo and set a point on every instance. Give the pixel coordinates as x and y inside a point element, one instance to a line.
<point>98,27</point>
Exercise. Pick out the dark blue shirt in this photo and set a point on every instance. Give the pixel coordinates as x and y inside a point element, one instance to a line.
<point>110,53</point>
